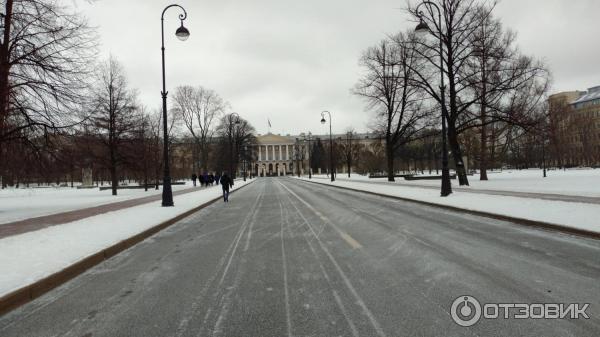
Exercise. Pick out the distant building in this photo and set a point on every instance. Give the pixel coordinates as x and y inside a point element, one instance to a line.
<point>575,124</point>
<point>278,155</point>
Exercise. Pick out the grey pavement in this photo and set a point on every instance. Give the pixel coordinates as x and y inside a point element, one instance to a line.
<point>530,195</point>
<point>289,258</point>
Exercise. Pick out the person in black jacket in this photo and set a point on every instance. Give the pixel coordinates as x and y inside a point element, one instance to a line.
<point>226,183</point>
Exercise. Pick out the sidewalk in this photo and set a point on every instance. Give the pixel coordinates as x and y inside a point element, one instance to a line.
<point>49,256</point>
<point>531,195</point>
<point>37,223</point>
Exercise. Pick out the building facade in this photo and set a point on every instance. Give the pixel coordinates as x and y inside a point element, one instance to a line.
<point>575,124</point>
<point>277,155</point>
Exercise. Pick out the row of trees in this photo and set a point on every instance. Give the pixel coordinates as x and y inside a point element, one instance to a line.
<point>62,110</point>
<point>494,92</point>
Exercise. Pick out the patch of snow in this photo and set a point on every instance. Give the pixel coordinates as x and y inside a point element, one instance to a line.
<point>575,215</point>
<point>32,256</point>
<point>24,203</point>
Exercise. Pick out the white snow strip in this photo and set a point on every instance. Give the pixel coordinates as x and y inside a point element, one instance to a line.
<point>24,203</point>
<point>574,215</point>
<point>578,182</point>
<point>29,257</point>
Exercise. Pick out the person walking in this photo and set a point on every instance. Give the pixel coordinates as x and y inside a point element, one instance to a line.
<point>194,177</point>
<point>226,183</point>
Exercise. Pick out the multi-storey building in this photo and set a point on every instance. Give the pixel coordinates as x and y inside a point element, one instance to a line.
<point>575,123</point>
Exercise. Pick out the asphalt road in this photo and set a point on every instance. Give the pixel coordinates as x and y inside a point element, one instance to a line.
<point>291,258</point>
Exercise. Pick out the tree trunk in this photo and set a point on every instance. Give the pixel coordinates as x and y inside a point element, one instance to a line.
<point>461,173</point>
<point>390,159</point>
<point>483,154</point>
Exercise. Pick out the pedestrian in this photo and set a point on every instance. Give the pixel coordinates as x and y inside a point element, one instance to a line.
<point>217,178</point>
<point>201,178</point>
<point>211,179</point>
<point>194,177</point>
<point>226,183</point>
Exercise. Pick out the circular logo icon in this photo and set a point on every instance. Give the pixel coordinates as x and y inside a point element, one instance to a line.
<point>466,311</point>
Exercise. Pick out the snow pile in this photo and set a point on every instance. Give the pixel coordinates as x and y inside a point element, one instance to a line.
<point>574,215</point>
<point>578,182</point>
<point>24,203</point>
<point>32,256</point>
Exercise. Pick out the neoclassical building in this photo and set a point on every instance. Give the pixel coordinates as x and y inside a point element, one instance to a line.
<point>279,155</point>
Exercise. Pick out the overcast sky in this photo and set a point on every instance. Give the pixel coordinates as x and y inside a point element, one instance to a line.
<point>288,60</point>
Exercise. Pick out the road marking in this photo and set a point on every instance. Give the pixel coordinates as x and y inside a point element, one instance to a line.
<point>346,280</point>
<point>345,236</point>
<point>285,279</point>
<point>350,240</point>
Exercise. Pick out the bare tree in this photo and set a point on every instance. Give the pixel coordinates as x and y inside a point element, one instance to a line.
<point>234,133</point>
<point>45,57</point>
<point>198,108</point>
<point>485,83</point>
<point>114,115</point>
<point>388,87</point>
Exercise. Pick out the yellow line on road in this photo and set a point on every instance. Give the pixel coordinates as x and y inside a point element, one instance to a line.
<point>349,240</point>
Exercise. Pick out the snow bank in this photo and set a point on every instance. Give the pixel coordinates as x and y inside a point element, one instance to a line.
<point>578,182</point>
<point>24,203</point>
<point>32,256</point>
<point>569,214</point>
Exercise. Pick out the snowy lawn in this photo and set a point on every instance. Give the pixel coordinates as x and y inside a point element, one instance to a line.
<point>32,256</point>
<point>578,182</point>
<point>25,203</point>
<point>574,215</point>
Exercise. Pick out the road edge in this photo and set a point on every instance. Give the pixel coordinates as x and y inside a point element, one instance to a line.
<point>520,221</point>
<point>28,293</point>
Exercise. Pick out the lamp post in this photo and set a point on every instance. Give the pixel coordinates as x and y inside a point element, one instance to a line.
<point>182,34</point>
<point>297,156</point>
<point>423,28</point>
<point>323,121</point>
<point>309,155</point>
<point>349,152</point>
<point>231,140</point>
<point>245,154</point>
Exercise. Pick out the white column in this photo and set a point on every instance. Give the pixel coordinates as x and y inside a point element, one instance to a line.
<point>287,155</point>
<point>259,153</point>
<point>280,157</point>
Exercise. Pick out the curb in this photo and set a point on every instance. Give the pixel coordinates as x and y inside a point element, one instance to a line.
<point>32,291</point>
<point>520,221</point>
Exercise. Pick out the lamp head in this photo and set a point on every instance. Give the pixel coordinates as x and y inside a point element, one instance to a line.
<point>422,28</point>
<point>323,121</point>
<point>182,33</point>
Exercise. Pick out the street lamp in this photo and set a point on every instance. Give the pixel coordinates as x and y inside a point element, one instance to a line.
<point>245,157</point>
<point>323,121</point>
<point>231,140</point>
<point>422,29</point>
<point>182,34</point>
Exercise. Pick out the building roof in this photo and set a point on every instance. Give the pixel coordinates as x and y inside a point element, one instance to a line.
<point>591,95</point>
<point>273,139</point>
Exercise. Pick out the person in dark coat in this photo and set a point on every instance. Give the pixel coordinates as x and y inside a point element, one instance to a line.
<point>194,177</point>
<point>217,179</point>
<point>226,183</point>
<point>201,178</point>
<point>211,179</point>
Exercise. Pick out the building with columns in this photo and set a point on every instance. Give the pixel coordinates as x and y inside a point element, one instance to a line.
<point>279,155</point>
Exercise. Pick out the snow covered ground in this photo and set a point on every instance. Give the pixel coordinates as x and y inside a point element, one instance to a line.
<point>24,203</point>
<point>32,256</point>
<point>580,182</point>
<point>570,214</point>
